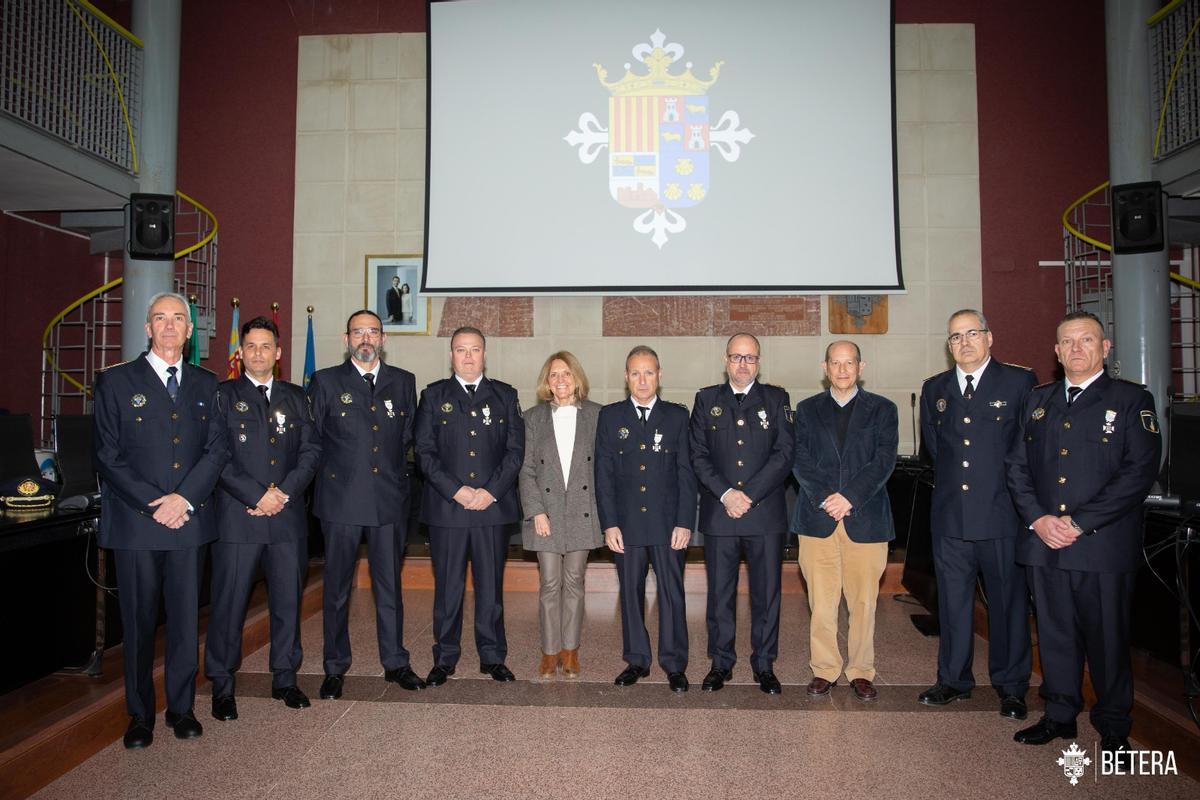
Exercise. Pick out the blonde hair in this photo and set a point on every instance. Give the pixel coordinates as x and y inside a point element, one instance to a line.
<point>581,381</point>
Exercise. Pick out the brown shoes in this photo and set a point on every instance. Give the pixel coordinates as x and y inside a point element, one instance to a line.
<point>569,661</point>
<point>819,687</point>
<point>548,667</point>
<point>864,690</point>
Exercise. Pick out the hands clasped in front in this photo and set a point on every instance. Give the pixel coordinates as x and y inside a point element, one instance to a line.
<point>270,504</point>
<point>170,510</point>
<point>837,506</point>
<point>1056,532</point>
<point>474,499</point>
<point>736,503</point>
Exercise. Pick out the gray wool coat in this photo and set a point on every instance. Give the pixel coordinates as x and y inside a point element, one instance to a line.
<point>574,523</point>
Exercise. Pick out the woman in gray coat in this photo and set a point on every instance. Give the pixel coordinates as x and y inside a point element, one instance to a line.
<point>559,503</point>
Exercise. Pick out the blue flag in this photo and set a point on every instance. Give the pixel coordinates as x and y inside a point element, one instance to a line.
<point>310,356</point>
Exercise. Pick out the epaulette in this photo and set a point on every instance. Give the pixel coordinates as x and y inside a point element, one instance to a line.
<point>1018,366</point>
<point>204,369</point>
<point>931,377</point>
<point>1133,383</point>
<point>118,364</point>
<point>1044,385</point>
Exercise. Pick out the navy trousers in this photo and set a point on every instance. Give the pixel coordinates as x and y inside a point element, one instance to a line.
<point>486,546</point>
<point>632,568</point>
<point>764,565</point>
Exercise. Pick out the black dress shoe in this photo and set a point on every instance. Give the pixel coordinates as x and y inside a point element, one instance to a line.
<point>224,708</point>
<point>331,687</point>
<point>714,681</point>
<point>139,734</point>
<point>405,677</point>
<point>291,696</point>
<point>940,695</point>
<point>1114,744</point>
<point>186,725</point>
<point>499,672</point>
<point>768,682</point>
<point>438,675</point>
<point>1013,707</point>
<point>629,676</point>
<point>1047,730</point>
<point>677,681</point>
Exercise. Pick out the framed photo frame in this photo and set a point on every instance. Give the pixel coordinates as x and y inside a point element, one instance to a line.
<point>393,291</point>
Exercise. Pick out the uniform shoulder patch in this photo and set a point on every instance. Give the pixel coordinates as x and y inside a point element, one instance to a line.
<point>1150,421</point>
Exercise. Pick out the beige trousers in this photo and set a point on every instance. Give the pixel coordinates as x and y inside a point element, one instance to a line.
<point>560,599</point>
<point>834,567</point>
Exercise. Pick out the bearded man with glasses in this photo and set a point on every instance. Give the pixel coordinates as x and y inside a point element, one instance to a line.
<point>970,418</point>
<point>364,412</point>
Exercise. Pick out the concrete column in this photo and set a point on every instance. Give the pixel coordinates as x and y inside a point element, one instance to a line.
<point>157,24</point>
<point>1141,283</point>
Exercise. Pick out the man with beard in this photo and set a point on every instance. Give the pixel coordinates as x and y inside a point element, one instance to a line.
<point>263,521</point>
<point>363,411</point>
<point>470,443</point>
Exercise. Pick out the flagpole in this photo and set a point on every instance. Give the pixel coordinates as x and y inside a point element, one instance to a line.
<point>235,356</point>
<point>278,371</point>
<point>310,352</point>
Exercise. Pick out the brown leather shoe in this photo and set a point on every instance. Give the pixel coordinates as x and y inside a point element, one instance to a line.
<point>819,687</point>
<point>864,690</point>
<point>548,667</point>
<point>569,661</point>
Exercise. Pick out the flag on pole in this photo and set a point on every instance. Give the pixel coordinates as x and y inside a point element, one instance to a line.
<point>194,342</point>
<point>310,353</point>
<point>275,319</point>
<point>235,354</point>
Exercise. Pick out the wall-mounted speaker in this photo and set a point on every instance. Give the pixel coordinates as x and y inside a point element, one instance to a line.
<point>1137,218</point>
<point>152,226</point>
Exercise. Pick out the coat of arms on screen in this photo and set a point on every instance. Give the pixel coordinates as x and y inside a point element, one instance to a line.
<point>658,137</point>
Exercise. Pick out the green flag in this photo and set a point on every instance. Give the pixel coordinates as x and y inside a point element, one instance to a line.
<point>194,341</point>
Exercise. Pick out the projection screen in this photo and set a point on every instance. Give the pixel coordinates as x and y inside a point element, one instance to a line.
<point>661,147</point>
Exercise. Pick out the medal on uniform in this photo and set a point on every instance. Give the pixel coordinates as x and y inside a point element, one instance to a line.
<point>941,404</point>
<point>657,442</point>
<point>1038,413</point>
<point>622,433</point>
<point>347,398</point>
<point>1110,417</point>
<point>280,419</point>
<point>447,408</point>
<point>241,406</point>
<point>388,405</point>
<point>138,400</point>
<point>487,415</point>
<point>762,419</point>
<point>715,411</point>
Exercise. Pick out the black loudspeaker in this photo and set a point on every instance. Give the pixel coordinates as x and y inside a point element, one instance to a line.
<point>152,226</point>
<point>1137,218</point>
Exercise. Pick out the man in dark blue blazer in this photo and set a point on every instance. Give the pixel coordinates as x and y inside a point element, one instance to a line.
<point>363,411</point>
<point>273,454</point>
<point>741,443</point>
<point>646,498</point>
<point>159,448</point>
<point>970,417</point>
<point>470,442</point>
<point>1088,456</point>
<point>846,442</point>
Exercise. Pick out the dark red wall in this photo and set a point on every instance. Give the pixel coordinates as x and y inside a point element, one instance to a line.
<point>1042,139</point>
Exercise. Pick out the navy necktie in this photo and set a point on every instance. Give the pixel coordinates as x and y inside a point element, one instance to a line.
<point>1073,393</point>
<point>643,414</point>
<point>969,391</point>
<point>471,389</point>
<point>172,383</point>
<point>739,396</point>
<point>263,391</point>
<point>369,377</point>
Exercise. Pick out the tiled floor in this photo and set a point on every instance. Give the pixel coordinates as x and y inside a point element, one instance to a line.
<point>588,738</point>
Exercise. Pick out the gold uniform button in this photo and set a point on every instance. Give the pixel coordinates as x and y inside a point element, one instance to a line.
<point>740,464</point>
<point>966,487</point>
<point>372,408</point>
<point>967,420</point>
<point>643,488</point>
<point>1062,506</point>
<point>1062,479</point>
<point>1067,425</point>
<point>740,442</point>
<point>374,427</point>
<point>966,464</point>
<point>740,484</point>
<point>472,433</point>
<point>642,467</point>
<point>272,440</point>
<point>176,465</point>
<point>966,442</point>
<point>273,462</point>
<point>1064,452</point>
<point>375,469</point>
<point>471,474</point>
<point>175,440</point>
<point>174,415</point>
<point>375,449</point>
<point>471,454</point>
<point>741,422</point>
<point>643,509</point>
<point>642,446</point>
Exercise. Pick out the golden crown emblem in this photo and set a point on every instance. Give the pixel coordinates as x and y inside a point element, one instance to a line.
<point>658,80</point>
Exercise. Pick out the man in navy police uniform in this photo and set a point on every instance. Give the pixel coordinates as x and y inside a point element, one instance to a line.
<point>470,442</point>
<point>159,448</point>
<point>646,498</point>
<point>741,447</point>
<point>273,454</point>
<point>970,417</point>
<point>1088,457</point>
<point>363,411</point>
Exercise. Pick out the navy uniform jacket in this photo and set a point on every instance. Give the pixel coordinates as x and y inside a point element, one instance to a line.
<point>363,474</point>
<point>1095,461</point>
<point>746,447</point>
<point>859,472</point>
<point>968,442</point>
<point>275,446</point>
<point>644,480</point>
<point>476,441</point>
<point>145,447</point>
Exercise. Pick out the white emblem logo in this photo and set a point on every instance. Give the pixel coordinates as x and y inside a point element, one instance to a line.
<point>622,433</point>
<point>280,420</point>
<point>762,419</point>
<point>659,135</point>
<point>1073,761</point>
<point>347,398</point>
<point>138,400</point>
<point>1110,417</point>
<point>241,406</point>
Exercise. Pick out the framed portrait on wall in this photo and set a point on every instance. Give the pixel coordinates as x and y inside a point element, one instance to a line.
<point>393,291</point>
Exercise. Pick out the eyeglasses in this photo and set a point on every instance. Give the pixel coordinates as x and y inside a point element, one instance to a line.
<point>364,332</point>
<point>740,358</point>
<point>971,336</point>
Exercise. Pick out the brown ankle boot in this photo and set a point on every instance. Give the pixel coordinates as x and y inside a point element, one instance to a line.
<point>549,666</point>
<point>570,662</point>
